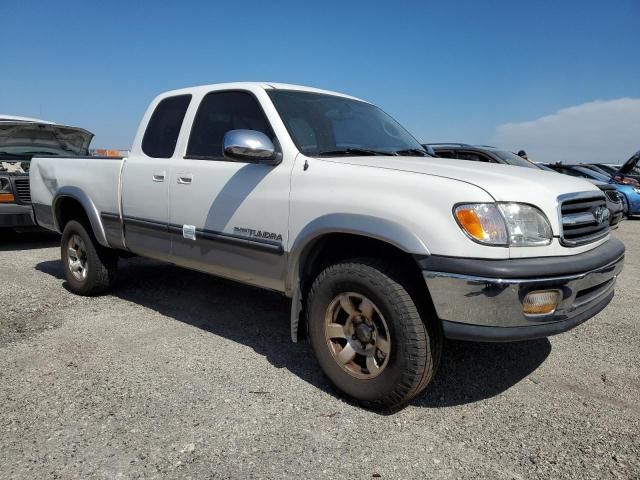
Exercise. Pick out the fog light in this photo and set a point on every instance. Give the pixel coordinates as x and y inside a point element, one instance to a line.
<point>540,302</point>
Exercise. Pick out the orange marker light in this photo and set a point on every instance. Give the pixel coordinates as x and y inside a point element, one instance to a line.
<point>469,220</point>
<point>7,198</point>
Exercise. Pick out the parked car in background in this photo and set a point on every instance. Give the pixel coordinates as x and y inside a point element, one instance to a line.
<point>629,194</point>
<point>20,139</point>
<point>478,153</point>
<point>612,172</point>
<point>629,170</point>
<point>606,168</point>
<point>483,153</point>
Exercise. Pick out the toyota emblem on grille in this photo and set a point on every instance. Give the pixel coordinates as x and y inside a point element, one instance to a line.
<point>601,214</point>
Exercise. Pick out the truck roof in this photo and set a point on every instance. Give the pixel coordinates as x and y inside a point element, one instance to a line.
<point>243,85</point>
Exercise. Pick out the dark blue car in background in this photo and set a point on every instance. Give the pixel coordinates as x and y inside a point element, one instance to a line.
<point>630,194</point>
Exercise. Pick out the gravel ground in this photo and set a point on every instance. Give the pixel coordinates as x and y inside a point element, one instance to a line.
<point>180,375</point>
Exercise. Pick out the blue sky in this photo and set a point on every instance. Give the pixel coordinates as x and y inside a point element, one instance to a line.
<point>448,71</point>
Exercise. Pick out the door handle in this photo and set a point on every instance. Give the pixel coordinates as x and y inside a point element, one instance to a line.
<point>158,177</point>
<point>185,179</point>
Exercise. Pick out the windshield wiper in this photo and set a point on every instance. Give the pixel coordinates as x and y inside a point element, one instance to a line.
<point>354,151</point>
<point>412,151</point>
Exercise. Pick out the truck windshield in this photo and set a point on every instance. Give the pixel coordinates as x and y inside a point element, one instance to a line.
<point>328,125</point>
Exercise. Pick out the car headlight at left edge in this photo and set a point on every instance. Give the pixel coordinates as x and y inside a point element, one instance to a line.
<point>504,224</point>
<point>6,195</point>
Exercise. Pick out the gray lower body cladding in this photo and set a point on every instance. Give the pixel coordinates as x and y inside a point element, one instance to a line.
<point>485,303</point>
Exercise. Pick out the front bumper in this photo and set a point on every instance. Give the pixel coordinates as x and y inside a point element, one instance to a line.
<point>482,299</point>
<point>13,215</point>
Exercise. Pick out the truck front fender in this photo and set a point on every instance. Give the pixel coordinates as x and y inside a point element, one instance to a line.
<point>87,204</point>
<point>381,229</point>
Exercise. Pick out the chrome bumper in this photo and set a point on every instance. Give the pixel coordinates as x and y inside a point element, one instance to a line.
<point>490,309</point>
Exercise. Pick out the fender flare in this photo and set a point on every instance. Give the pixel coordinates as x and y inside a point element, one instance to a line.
<point>377,228</point>
<point>89,207</point>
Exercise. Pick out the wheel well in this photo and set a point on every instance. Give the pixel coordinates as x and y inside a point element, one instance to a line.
<point>67,209</point>
<point>335,247</point>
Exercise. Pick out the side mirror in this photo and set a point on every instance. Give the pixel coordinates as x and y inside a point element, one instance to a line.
<point>250,146</point>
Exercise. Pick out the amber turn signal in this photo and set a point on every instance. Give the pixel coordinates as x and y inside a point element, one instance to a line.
<point>470,223</point>
<point>7,198</point>
<point>482,222</point>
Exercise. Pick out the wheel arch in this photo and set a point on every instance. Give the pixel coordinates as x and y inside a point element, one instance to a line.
<point>70,203</point>
<point>340,236</point>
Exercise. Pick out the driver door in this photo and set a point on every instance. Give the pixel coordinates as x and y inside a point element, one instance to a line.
<point>227,217</point>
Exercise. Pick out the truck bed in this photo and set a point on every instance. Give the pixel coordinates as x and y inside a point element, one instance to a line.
<point>93,181</point>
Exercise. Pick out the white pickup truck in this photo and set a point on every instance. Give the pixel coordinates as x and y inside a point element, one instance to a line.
<point>383,249</point>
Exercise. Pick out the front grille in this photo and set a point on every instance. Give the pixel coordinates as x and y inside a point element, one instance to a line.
<point>22,190</point>
<point>613,196</point>
<point>584,220</point>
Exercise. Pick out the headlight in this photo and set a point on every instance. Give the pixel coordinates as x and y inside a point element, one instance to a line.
<point>637,190</point>
<point>504,224</point>
<point>5,191</point>
<point>527,226</point>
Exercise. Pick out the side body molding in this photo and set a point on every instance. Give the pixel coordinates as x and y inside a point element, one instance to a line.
<point>89,207</point>
<point>364,225</point>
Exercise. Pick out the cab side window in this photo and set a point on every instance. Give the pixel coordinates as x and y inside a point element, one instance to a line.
<point>162,132</point>
<point>220,112</point>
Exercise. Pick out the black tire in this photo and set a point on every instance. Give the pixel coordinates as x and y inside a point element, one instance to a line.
<point>101,263</point>
<point>415,336</point>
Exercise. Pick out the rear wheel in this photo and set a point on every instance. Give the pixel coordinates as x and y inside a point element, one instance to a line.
<point>368,333</point>
<point>89,268</point>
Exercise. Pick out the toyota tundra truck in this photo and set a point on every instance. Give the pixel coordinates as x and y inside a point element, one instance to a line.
<point>383,249</point>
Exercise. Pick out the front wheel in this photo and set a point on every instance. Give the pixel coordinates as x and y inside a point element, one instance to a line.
<point>368,333</point>
<point>89,268</point>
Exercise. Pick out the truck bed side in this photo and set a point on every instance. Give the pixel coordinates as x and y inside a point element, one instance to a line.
<point>91,182</point>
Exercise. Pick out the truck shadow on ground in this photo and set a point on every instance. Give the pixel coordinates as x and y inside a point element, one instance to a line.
<point>469,372</point>
<point>11,241</point>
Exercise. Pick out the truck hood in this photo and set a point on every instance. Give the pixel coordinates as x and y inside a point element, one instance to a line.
<point>505,183</point>
<point>19,136</point>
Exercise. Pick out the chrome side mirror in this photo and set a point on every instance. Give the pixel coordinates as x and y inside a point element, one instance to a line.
<point>250,146</point>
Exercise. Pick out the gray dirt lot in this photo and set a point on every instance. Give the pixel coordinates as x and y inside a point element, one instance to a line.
<point>180,375</point>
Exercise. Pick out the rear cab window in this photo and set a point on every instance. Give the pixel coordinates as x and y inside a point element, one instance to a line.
<point>162,132</point>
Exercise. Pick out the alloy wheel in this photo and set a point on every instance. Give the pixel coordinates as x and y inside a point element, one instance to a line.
<point>357,335</point>
<point>77,257</point>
